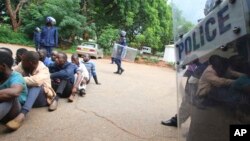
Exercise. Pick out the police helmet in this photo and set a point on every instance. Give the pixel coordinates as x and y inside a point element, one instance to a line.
<point>37,29</point>
<point>50,20</point>
<point>123,33</point>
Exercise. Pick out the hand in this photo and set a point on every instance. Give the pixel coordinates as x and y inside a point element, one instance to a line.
<point>57,80</point>
<point>74,90</point>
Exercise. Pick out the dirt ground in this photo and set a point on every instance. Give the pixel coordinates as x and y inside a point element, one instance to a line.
<point>127,107</point>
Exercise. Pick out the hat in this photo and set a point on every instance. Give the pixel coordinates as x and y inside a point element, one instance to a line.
<point>50,20</point>
<point>38,29</point>
<point>123,33</point>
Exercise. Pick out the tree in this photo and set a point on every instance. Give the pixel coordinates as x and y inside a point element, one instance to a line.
<point>181,25</point>
<point>139,41</point>
<point>153,19</point>
<point>13,11</point>
<point>108,36</point>
<point>67,13</point>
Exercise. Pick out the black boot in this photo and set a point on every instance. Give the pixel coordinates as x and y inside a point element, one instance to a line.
<point>121,71</point>
<point>170,122</point>
<point>117,72</point>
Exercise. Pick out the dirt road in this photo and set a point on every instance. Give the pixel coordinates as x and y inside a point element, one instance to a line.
<point>127,107</point>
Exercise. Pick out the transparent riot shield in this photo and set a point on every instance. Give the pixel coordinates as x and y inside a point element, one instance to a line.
<point>124,52</point>
<point>212,47</point>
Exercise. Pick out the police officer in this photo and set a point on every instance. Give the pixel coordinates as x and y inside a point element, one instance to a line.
<point>49,35</point>
<point>120,52</point>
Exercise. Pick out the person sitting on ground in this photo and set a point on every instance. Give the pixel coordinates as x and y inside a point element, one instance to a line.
<point>43,57</point>
<point>53,55</point>
<point>84,72</point>
<point>40,92</point>
<point>62,75</point>
<point>243,82</point>
<point>7,50</point>
<point>12,88</point>
<point>91,68</point>
<point>214,75</point>
<point>79,79</point>
<point>19,54</point>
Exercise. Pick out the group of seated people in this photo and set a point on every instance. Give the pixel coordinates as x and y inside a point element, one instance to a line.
<point>220,81</point>
<point>34,80</point>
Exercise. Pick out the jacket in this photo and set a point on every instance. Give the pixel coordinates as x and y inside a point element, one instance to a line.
<point>49,36</point>
<point>39,77</point>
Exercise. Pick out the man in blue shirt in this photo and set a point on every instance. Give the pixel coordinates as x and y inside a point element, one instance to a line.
<point>12,87</point>
<point>62,75</point>
<point>43,57</point>
<point>49,35</point>
<point>91,68</point>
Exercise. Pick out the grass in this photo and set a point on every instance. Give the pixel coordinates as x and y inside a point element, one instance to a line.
<point>8,36</point>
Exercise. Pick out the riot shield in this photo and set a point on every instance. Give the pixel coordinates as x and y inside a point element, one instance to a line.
<point>124,52</point>
<point>212,48</point>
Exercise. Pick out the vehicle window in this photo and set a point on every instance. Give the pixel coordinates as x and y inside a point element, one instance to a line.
<point>89,45</point>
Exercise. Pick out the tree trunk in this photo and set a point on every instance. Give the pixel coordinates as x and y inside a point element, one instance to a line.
<point>13,13</point>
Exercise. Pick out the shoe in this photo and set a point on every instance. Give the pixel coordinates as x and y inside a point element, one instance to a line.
<point>82,92</point>
<point>71,98</point>
<point>170,122</point>
<point>117,72</point>
<point>16,122</point>
<point>122,70</point>
<point>53,105</point>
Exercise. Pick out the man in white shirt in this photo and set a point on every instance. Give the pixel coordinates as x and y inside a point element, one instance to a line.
<point>85,74</point>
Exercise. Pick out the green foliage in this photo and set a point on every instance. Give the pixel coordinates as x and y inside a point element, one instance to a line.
<point>71,50</point>
<point>152,19</point>
<point>159,54</point>
<point>8,36</point>
<point>150,59</point>
<point>181,25</point>
<point>107,37</point>
<point>139,41</point>
<point>67,13</point>
<point>147,23</point>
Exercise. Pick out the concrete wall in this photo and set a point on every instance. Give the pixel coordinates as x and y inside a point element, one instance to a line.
<point>169,53</point>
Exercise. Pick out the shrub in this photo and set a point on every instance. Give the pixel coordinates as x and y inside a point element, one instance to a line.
<point>7,35</point>
<point>159,54</point>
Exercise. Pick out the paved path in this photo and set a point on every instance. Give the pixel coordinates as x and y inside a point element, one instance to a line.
<point>127,107</point>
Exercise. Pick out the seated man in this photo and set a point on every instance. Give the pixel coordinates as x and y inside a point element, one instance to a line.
<point>12,87</point>
<point>19,54</point>
<point>40,92</point>
<point>43,57</point>
<point>62,75</point>
<point>7,50</point>
<point>53,55</point>
<point>91,68</point>
<point>84,72</point>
